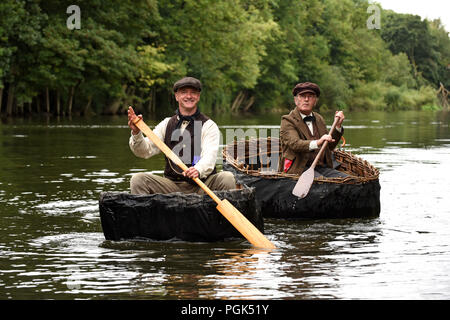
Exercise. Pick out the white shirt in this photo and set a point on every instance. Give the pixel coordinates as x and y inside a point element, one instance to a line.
<point>313,144</point>
<point>142,147</point>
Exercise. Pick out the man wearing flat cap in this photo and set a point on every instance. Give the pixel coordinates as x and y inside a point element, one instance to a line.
<point>192,136</point>
<point>303,132</point>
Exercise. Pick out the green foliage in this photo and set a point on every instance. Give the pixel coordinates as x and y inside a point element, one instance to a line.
<point>248,54</point>
<point>426,44</point>
<point>219,41</point>
<point>385,97</point>
<point>442,47</point>
<point>398,71</point>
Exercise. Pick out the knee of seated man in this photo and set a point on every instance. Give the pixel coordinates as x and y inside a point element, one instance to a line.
<point>139,179</point>
<point>227,179</point>
<point>136,178</point>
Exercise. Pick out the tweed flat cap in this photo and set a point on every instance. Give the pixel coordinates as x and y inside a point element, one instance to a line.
<point>187,82</point>
<point>306,87</point>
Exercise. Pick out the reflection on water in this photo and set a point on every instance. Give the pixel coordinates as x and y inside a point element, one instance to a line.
<point>52,246</point>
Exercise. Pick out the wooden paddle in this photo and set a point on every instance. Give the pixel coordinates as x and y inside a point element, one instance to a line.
<point>237,219</point>
<point>305,181</point>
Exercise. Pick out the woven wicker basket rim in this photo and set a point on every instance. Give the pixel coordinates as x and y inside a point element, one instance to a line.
<point>350,164</point>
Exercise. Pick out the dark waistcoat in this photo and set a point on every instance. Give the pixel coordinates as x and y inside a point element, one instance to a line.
<point>175,141</point>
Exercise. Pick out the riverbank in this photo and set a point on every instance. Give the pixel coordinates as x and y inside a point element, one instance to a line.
<point>373,98</point>
<point>81,59</point>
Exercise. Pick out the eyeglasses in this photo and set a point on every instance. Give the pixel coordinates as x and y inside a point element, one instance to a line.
<point>306,96</point>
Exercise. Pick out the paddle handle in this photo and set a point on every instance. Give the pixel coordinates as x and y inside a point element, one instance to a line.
<point>171,155</point>
<point>324,145</point>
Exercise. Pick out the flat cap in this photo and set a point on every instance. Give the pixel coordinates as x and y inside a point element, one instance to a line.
<point>187,82</point>
<point>306,87</point>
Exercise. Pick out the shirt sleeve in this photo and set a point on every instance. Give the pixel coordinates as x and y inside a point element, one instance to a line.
<point>210,147</point>
<point>313,145</point>
<point>143,147</point>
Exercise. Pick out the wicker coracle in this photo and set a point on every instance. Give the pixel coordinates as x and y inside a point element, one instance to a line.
<point>253,157</point>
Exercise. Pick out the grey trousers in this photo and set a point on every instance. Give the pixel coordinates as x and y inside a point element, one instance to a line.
<point>147,183</point>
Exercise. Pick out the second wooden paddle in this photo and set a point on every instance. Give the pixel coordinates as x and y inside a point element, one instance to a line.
<point>305,181</point>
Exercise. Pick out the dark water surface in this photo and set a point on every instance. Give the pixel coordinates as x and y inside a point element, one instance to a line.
<point>52,246</point>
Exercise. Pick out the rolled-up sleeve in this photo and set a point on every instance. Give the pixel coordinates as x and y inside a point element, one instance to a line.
<point>142,147</point>
<point>210,147</point>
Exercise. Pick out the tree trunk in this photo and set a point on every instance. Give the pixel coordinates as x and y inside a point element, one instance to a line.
<point>154,100</point>
<point>149,105</point>
<point>58,104</point>
<point>47,95</point>
<point>9,103</point>
<point>151,102</point>
<point>238,101</point>
<point>249,103</point>
<point>129,96</point>
<point>20,108</point>
<point>38,105</point>
<point>70,103</point>
<point>138,104</point>
<point>114,107</point>
<point>1,99</point>
<point>88,106</point>
<point>443,97</point>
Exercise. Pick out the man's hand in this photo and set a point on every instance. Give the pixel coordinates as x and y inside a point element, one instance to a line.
<point>325,137</point>
<point>340,115</point>
<point>191,173</point>
<point>131,116</point>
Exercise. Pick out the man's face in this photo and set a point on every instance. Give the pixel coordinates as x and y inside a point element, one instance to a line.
<point>187,97</point>
<point>305,102</point>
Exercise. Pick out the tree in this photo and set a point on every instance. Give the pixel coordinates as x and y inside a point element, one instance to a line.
<point>409,34</point>
<point>21,33</point>
<point>248,54</point>
<point>442,45</point>
<point>220,41</point>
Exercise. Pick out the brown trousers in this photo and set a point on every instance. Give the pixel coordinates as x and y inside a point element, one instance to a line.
<point>147,183</point>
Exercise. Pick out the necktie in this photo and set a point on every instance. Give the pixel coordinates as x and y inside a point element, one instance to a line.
<point>182,118</point>
<point>309,118</point>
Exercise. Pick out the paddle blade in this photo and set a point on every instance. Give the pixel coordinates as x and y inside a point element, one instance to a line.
<point>304,183</point>
<point>245,227</point>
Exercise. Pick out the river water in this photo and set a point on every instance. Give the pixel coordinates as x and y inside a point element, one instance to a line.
<point>52,246</point>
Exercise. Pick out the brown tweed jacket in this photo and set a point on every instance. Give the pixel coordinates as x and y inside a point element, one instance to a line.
<point>295,139</point>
